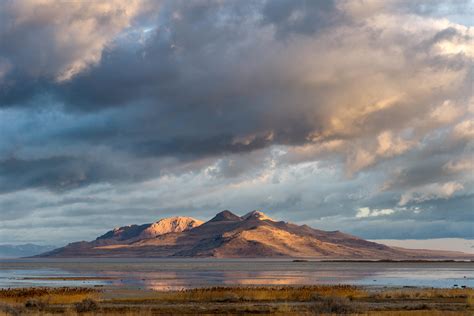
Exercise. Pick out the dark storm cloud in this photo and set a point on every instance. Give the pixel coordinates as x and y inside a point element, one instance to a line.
<point>18,89</point>
<point>56,173</point>
<point>190,103</point>
<point>301,16</point>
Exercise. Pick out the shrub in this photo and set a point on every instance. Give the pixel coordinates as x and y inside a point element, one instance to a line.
<point>331,304</point>
<point>228,297</point>
<point>10,310</point>
<point>87,305</point>
<point>35,304</point>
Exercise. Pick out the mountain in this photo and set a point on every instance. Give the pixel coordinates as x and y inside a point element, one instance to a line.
<point>138,232</point>
<point>25,250</point>
<point>228,235</point>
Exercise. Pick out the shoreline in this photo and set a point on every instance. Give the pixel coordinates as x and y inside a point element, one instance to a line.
<point>274,259</point>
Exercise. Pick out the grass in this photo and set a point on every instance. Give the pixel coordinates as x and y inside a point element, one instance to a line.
<point>250,294</point>
<point>414,293</point>
<point>470,300</point>
<point>60,295</point>
<point>420,313</point>
<point>276,300</point>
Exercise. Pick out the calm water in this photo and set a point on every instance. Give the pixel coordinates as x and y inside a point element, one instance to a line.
<point>167,274</point>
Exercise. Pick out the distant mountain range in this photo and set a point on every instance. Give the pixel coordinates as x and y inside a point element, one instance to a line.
<point>25,250</point>
<point>227,235</point>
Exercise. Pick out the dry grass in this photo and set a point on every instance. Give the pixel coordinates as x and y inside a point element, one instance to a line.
<point>419,313</point>
<point>251,294</point>
<point>281,300</point>
<point>425,293</point>
<point>336,305</point>
<point>61,295</point>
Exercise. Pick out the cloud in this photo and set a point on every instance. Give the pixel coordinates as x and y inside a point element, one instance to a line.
<point>364,212</point>
<point>300,16</point>
<point>360,159</point>
<point>316,106</point>
<point>389,146</point>
<point>431,191</point>
<point>464,130</point>
<point>447,112</point>
<point>59,40</point>
<point>460,165</point>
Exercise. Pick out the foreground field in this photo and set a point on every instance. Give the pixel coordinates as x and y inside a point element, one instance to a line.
<point>307,300</point>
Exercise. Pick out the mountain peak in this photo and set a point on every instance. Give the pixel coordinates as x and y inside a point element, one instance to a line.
<point>258,215</point>
<point>174,224</point>
<point>225,216</point>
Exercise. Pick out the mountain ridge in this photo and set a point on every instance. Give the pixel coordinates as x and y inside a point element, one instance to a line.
<point>227,235</point>
<point>23,250</point>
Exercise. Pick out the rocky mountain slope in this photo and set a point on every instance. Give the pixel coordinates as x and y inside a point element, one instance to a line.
<point>227,235</point>
<point>138,232</point>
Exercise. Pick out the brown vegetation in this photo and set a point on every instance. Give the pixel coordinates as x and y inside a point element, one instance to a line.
<point>251,294</point>
<point>415,293</point>
<point>59,295</point>
<point>282,300</point>
<point>87,305</point>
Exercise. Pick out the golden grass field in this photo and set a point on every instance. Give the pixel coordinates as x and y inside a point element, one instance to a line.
<point>281,300</point>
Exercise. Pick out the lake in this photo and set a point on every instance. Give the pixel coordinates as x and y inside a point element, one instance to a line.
<point>171,274</point>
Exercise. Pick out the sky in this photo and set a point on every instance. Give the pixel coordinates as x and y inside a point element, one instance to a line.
<point>351,115</point>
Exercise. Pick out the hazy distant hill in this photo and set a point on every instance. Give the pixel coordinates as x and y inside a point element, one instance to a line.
<point>25,250</point>
<point>227,235</point>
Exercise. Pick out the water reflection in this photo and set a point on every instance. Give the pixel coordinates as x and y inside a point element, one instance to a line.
<point>181,274</point>
<point>168,280</point>
<point>184,278</point>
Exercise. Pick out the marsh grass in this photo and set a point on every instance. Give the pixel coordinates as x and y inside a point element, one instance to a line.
<point>275,300</point>
<point>470,300</point>
<point>38,296</point>
<point>424,293</point>
<point>264,294</point>
<point>419,313</point>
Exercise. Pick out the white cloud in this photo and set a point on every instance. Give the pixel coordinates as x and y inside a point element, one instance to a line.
<point>447,112</point>
<point>464,130</point>
<point>389,145</point>
<point>365,212</point>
